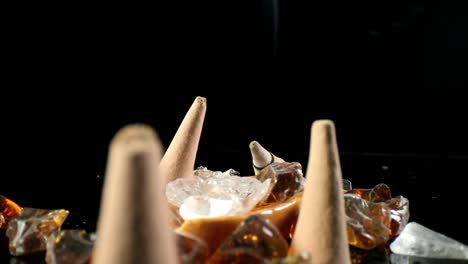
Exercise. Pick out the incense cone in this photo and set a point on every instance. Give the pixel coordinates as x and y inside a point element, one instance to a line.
<point>179,159</point>
<point>321,226</point>
<point>261,157</point>
<point>133,224</point>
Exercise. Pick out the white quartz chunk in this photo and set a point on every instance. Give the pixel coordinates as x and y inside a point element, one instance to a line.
<point>417,240</point>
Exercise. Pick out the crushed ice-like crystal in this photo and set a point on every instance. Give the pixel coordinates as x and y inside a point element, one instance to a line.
<point>214,193</point>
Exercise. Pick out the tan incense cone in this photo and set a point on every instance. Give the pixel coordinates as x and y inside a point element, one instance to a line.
<point>261,157</point>
<point>179,159</point>
<point>321,226</point>
<point>133,224</point>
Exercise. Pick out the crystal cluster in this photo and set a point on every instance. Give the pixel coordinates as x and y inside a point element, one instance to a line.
<point>29,231</point>
<point>256,234</point>
<point>8,211</point>
<point>373,216</point>
<point>213,194</point>
<point>221,217</point>
<point>70,247</point>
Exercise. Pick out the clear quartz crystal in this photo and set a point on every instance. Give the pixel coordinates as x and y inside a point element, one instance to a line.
<point>214,193</point>
<point>417,240</point>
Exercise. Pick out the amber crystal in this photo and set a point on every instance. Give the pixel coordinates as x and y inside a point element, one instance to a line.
<point>216,230</point>
<point>283,215</point>
<point>399,206</point>
<point>286,179</point>
<point>8,211</point>
<point>191,249</point>
<point>29,231</point>
<point>380,193</point>
<point>254,241</point>
<point>399,213</point>
<point>368,223</point>
<point>70,247</point>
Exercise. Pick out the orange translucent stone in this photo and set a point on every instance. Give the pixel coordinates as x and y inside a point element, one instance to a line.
<point>380,193</point>
<point>254,241</point>
<point>8,211</point>
<point>286,179</point>
<point>283,215</point>
<point>191,249</point>
<point>399,210</point>
<point>368,223</point>
<point>399,206</point>
<point>215,230</point>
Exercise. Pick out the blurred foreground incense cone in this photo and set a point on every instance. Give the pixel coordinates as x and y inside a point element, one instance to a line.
<point>133,224</point>
<point>321,226</point>
<point>261,157</point>
<point>179,159</point>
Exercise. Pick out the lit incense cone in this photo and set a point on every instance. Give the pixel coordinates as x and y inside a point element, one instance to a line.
<point>261,157</point>
<point>133,223</point>
<point>179,159</point>
<point>321,226</point>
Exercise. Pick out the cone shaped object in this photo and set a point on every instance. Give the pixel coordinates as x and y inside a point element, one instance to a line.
<point>179,159</point>
<point>133,223</point>
<point>261,157</point>
<point>321,226</point>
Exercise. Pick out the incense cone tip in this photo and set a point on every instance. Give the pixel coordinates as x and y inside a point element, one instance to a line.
<point>254,144</point>
<point>201,100</point>
<point>260,156</point>
<point>135,136</point>
<point>324,124</point>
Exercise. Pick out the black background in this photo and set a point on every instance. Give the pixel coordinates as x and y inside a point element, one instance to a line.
<point>381,70</point>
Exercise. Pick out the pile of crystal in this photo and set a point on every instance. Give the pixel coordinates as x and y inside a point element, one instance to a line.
<point>419,241</point>
<point>215,194</point>
<point>373,216</point>
<point>227,218</point>
<point>31,230</point>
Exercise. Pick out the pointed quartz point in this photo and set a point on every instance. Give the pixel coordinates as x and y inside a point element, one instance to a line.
<point>261,157</point>
<point>179,159</point>
<point>419,241</point>
<point>321,226</point>
<point>133,223</point>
